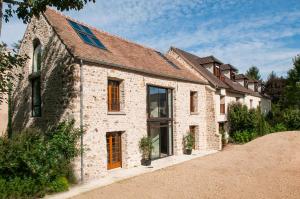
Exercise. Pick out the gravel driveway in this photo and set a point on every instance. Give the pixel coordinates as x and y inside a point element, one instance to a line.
<point>268,167</point>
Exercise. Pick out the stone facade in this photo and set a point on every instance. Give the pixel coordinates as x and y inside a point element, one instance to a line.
<point>60,86</point>
<point>3,117</point>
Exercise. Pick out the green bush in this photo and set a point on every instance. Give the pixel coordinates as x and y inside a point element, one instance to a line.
<point>244,136</point>
<point>32,162</point>
<point>291,119</point>
<point>59,184</point>
<point>279,127</point>
<point>240,118</point>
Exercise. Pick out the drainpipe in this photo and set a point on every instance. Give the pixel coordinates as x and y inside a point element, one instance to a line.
<point>81,121</point>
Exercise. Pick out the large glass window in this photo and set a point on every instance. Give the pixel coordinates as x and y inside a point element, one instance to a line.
<point>160,121</point>
<point>158,102</point>
<point>36,81</point>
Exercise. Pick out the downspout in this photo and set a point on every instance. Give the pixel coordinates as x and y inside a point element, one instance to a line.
<point>81,121</point>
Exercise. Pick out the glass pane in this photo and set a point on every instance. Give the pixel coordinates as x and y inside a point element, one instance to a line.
<point>153,101</point>
<point>37,57</point>
<point>170,137</point>
<point>169,103</point>
<point>86,38</point>
<point>97,42</point>
<point>87,30</point>
<point>162,102</point>
<point>36,98</point>
<point>154,135</point>
<point>75,25</point>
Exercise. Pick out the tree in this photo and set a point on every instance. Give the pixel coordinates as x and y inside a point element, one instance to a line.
<point>9,61</point>
<point>292,90</point>
<point>253,73</point>
<point>274,87</point>
<point>25,9</point>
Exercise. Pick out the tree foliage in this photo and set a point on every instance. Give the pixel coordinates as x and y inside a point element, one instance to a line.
<point>274,87</point>
<point>27,8</point>
<point>9,61</point>
<point>253,73</point>
<point>292,90</point>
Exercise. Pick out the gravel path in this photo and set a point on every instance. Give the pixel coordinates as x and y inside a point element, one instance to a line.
<point>268,167</point>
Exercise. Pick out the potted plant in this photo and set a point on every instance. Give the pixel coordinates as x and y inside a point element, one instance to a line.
<point>146,147</point>
<point>188,143</point>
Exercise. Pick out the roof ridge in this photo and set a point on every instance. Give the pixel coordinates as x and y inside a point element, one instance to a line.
<point>99,30</point>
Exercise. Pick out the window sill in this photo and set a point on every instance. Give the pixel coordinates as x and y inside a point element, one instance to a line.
<point>116,113</point>
<point>194,113</point>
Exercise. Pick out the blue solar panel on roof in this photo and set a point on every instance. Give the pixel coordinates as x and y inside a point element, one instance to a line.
<point>86,35</point>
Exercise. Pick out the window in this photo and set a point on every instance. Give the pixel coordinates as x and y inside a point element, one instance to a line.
<point>193,101</point>
<point>159,104</point>
<point>160,121</point>
<point>86,34</point>
<point>251,103</point>
<point>222,105</point>
<point>113,97</point>
<point>256,87</point>
<point>217,71</point>
<point>232,75</point>
<point>36,81</point>
<point>246,83</point>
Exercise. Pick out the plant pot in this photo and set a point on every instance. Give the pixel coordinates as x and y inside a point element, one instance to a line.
<point>188,151</point>
<point>146,162</point>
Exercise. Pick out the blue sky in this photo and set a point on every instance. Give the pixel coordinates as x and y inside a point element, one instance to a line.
<point>264,33</point>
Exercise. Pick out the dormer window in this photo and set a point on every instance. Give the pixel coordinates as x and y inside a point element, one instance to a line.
<point>256,87</point>
<point>246,83</point>
<point>217,72</point>
<point>232,75</point>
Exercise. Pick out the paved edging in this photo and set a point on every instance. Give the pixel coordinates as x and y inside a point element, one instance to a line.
<point>122,174</point>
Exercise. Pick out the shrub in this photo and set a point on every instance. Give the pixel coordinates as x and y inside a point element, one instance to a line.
<point>291,118</point>
<point>244,136</point>
<point>239,118</point>
<point>32,162</point>
<point>146,147</point>
<point>59,184</point>
<point>279,127</point>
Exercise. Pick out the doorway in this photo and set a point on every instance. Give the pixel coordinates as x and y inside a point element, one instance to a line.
<point>114,150</point>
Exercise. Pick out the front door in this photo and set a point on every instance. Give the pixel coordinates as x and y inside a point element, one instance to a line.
<point>114,150</point>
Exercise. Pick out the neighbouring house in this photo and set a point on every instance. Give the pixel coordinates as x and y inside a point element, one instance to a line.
<point>229,86</point>
<point>118,90</point>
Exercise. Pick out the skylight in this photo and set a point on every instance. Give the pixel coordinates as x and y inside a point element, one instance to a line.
<point>86,35</point>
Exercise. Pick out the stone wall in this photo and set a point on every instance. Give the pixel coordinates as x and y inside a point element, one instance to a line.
<point>3,117</point>
<point>59,80</point>
<point>132,121</point>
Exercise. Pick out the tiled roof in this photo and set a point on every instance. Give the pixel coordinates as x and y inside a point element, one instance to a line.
<point>118,53</point>
<point>241,76</point>
<point>235,86</point>
<point>208,60</point>
<point>227,84</point>
<point>194,60</point>
<point>227,67</point>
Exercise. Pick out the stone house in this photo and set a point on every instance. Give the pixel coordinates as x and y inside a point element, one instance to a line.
<point>229,86</point>
<point>119,91</point>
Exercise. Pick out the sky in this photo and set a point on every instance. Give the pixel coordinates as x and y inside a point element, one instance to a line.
<point>244,33</point>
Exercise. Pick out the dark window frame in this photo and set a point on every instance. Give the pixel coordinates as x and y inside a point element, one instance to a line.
<point>35,78</point>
